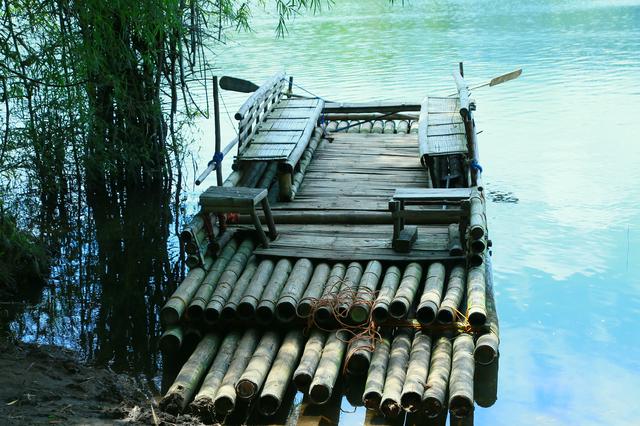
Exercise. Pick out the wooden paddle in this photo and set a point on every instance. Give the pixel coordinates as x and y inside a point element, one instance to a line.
<point>496,80</point>
<point>237,85</point>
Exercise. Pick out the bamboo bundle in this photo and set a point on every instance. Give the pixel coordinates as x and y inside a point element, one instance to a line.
<point>310,358</point>
<point>359,355</point>
<point>486,350</point>
<point>266,307</point>
<point>479,245</point>
<point>359,312</point>
<point>389,126</point>
<point>388,289</point>
<point>461,380</point>
<point>225,399</point>
<point>349,287</point>
<point>247,306</point>
<point>439,368</point>
<point>203,402</point>
<point>477,221</point>
<point>417,372</point>
<point>403,300</point>
<point>455,243</point>
<point>198,244</point>
<point>377,372</point>
<point>448,310</point>
<point>227,280</point>
<point>199,301</point>
<point>377,126</point>
<point>171,340</point>
<point>366,127</point>
<point>229,310</point>
<point>250,382</point>
<point>476,296</point>
<point>293,290</point>
<point>305,160</point>
<point>396,373</point>
<point>430,300</point>
<point>268,176</point>
<point>414,126</point>
<point>324,312</point>
<point>314,290</point>
<point>402,127</point>
<point>280,375</point>
<point>328,369</point>
<point>174,308</point>
<point>190,376</point>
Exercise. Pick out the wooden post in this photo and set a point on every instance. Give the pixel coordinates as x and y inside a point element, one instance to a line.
<point>216,114</point>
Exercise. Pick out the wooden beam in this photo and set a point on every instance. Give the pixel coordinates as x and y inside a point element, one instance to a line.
<point>344,107</point>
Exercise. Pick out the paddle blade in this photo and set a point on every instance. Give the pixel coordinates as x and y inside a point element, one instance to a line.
<point>506,77</point>
<point>237,85</point>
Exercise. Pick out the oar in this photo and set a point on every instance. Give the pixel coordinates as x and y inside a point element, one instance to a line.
<point>237,85</point>
<point>497,80</point>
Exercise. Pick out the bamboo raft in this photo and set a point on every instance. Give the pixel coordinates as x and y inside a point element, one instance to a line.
<point>372,280</point>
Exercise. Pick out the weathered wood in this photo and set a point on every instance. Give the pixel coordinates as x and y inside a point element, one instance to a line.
<point>377,373</point>
<point>303,375</point>
<point>448,310</point>
<point>239,289</point>
<point>247,307</point>
<point>439,369</point>
<point>325,312</point>
<point>380,311</point>
<point>222,199</point>
<point>250,382</point>
<point>357,217</point>
<point>486,350</point>
<point>476,296</point>
<point>298,150</point>
<point>404,297</point>
<point>171,340</point>
<point>293,290</point>
<point>461,380</point>
<point>396,373</point>
<point>430,299</point>
<point>416,381</point>
<point>305,160</point>
<point>328,369</point>
<point>266,308</point>
<point>359,311</point>
<point>314,290</point>
<point>455,243</point>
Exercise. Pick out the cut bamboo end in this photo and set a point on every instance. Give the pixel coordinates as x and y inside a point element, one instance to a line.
<point>380,312</point>
<point>390,408</point>
<point>224,404</point>
<point>302,380</point>
<point>286,310</point>
<point>426,312</point>
<point>446,316</point>
<point>171,340</point>
<point>433,406</point>
<point>372,400</point>
<point>399,308</point>
<point>486,350</point>
<point>320,394</point>
<point>461,380</point>
<point>269,405</point>
<point>359,313</point>
<point>246,311</point>
<point>411,401</point>
<point>246,389</point>
<point>265,313</point>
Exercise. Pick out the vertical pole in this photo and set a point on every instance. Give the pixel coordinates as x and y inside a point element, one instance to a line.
<point>461,69</point>
<point>216,113</point>
<point>290,85</point>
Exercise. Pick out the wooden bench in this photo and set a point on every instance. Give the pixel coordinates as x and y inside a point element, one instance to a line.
<point>219,199</point>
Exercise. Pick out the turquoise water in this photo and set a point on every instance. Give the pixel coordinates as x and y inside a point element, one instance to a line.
<point>562,140</point>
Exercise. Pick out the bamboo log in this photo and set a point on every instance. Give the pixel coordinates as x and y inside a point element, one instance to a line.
<point>247,306</point>
<point>293,290</point>
<point>396,373</point>
<point>455,244</point>
<point>225,399</point>
<point>250,382</point>
<point>377,373</point>
<point>359,311</point>
<point>310,358</point>
<point>266,308</point>
<point>377,127</point>
<point>479,245</point>
<point>193,261</point>
<point>280,375</point>
<point>439,369</point>
<point>476,296</point>
<point>331,126</point>
<point>354,217</point>
<point>285,184</point>
<point>403,300</point>
<point>417,372</point>
<point>328,369</point>
<point>448,311</point>
<point>366,127</point>
<point>176,305</point>
<point>192,337</point>
<point>314,290</point>
<point>485,383</point>
<point>349,287</point>
<point>233,179</point>
<point>389,126</point>
<point>190,376</point>
<point>268,176</point>
<point>229,310</point>
<point>477,221</point>
<point>171,340</point>
<point>325,312</point>
<point>359,355</point>
<point>461,380</point>
<point>388,289</point>
<point>203,402</point>
<point>414,127</point>
<point>195,227</point>
<point>402,127</point>
<point>252,175</point>
<point>197,244</point>
<point>430,300</point>
<point>476,259</point>
<point>227,280</point>
<point>305,160</point>
<point>486,350</point>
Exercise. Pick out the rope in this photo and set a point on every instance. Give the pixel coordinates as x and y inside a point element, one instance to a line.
<point>475,165</point>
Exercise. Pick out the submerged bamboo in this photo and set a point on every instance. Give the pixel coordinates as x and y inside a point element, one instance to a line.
<point>247,306</point>
<point>476,296</point>
<point>485,383</point>
<point>328,369</point>
<point>461,380</point>
<point>293,290</point>
<point>359,312</point>
<point>280,375</point>
<point>396,373</point>
<point>310,358</point>
<point>448,311</point>
<point>190,376</point>
<point>439,368</point>
<point>388,289</point>
<point>171,340</point>
<point>267,305</point>
<point>349,287</point>
<point>455,243</point>
<point>407,290</point>
<point>417,372</point>
<point>359,355</point>
<point>314,290</point>
<point>229,310</point>
<point>377,371</point>
<point>430,300</point>
<point>250,382</point>
<point>486,350</point>
<point>325,311</point>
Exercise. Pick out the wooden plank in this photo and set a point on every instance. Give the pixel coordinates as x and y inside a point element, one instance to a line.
<point>447,144</point>
<point>432,194</point>
<point>298,103</point>
<point>371,107</point>
<point>446,129</point>
<point>276,137</point>
<point>423,124</point>
<point>288,124</point>
<point>222,197</point>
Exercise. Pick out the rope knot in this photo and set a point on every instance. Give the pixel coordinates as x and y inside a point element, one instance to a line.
<point>475,165</point>
<point>218,157</point>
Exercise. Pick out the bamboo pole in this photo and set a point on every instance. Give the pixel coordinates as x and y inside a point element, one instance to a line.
<point>349,287</point>
<point>448,311</point>
<point>402,127</point>
<point>202,404</point>
<point>396,373</point>
<point>314,290</point>
<point>176,305</point>
<point>476,259</point>
<point>285,184</point>
<point>366,127</point>
<point>247,306</point>
<point>268,176</point>
<point>266,307</point>
<point>324,312</point>
<point>194,245</point>
<point>252,175</point>
<point>476,296</point>
<point>359,311</point>
<point>389,126</point>
<point>225,399</point>
<point>359,355</point>
<point>328,369</point>
<point>414,127</point>
<point>331,126</point>
<point>305,160</point>
<point>310,358</point>
<point>355,217</point>
<point>227,280</point>
<point>377,126</point>
<point>280,375</point>
<point>190,376</point>
<point>461,380</point>
<point>486,350</point>
<point>417,372</point>
<point>377,371</point>
<point>380,311</point>
<point>193,261</point>
<point>250,382</point>
<point>439,368</point>
<point>293,290</point>
<point>192,336</point>
<point>430,300</point>
<point>171,340</point>
<point>485,383</point>
<point>479,245</point>
<point>229,310</point>
<point>403,300</point>
<point>199,301</point>
<point>233,179</point>
<point>455,244</point>
<point>477,221</point>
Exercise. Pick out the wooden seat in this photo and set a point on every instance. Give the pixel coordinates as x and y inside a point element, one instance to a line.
<point>219,199</point>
